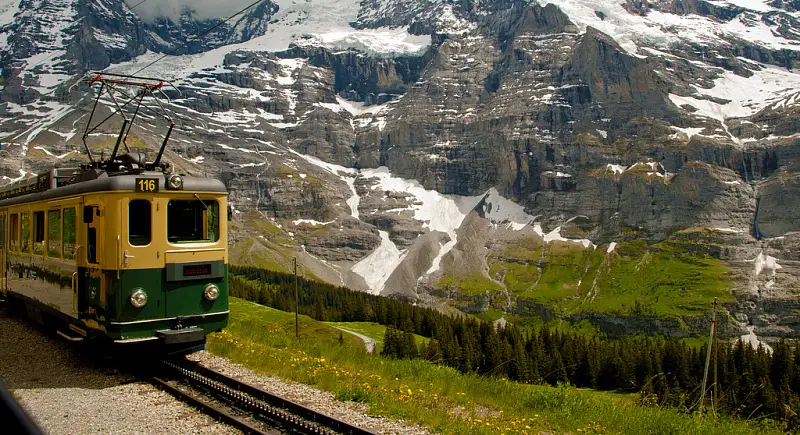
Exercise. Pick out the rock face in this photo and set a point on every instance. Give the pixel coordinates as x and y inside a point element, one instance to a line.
<point>501,154</point>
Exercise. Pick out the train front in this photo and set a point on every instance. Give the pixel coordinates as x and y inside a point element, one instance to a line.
<point>172,250</point>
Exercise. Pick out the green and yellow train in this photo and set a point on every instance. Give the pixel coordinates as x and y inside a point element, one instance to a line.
<point>125,251</point>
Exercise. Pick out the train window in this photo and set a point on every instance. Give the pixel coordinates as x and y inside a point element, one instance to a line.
<point>54,233</point>
<point>139,222</point>
<point>38,232</point>
<point>13,232</point>
<point>2,232</point>
<point>192,221</point>
<point>25,232</point>
<point>69,233</point>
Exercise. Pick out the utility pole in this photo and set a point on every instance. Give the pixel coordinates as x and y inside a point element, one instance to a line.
<point>296,303</point>
<point>708,358</point>
<point>714,398</point>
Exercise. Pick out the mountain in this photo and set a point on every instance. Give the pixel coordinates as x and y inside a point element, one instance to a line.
<point>620,164</point>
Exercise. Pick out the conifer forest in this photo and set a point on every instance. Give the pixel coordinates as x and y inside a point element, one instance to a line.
<point>751,382</point>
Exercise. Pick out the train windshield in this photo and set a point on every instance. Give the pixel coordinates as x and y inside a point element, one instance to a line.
<point>193,221</point>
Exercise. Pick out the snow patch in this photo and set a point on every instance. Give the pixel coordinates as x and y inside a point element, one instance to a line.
<point>555,235</point>
<point>379,265</point>
<point>557,174</point>
<point>348,175</point>
<point>688,132</point>
<point>500,210</point>
<point>357,108</point>
<point>383,41</point>
<point>50,153</point>
<point>616,169</point>
<point>766,262</point>
<point>611,247</point>
<point>753,340</point>
<point>745,96</point>
<point>8,8</point>
<point>447,22</point>
<point>311,222</point>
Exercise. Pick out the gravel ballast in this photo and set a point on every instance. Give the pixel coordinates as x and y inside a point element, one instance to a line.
<point>320,401</point>
<point>67,392</point>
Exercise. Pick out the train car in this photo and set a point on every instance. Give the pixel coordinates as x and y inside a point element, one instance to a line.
<point>123,251</point>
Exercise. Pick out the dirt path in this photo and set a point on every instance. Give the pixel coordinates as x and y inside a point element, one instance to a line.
<point>369,342</point>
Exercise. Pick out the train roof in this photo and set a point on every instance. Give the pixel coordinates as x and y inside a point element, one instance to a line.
<point>46,186</point>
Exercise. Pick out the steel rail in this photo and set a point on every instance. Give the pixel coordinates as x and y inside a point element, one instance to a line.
<point>291,415</point>
<point>207,408</point>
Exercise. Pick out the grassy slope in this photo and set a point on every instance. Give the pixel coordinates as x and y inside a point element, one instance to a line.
<point>664,280</point>
<point>439,398</point>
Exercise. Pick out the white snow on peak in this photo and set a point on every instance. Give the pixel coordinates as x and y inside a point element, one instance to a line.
<point>308,22</point>
<point>7,10</point>
<point>745,95</point>
<point>661,29</point>
<point>384,41</point>
<point>753,5</point>
<point>766,262</point>
<point>447,22</point>
<point>327,23</point>
<point>603,133</point>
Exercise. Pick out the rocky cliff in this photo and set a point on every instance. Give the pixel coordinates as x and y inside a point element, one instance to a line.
<point>622,163</point>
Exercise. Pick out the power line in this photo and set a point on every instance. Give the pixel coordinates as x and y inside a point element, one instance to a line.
<point>131,8</point>
<point>56,52</point>
<point>57,122</point>
<point>198,36</point>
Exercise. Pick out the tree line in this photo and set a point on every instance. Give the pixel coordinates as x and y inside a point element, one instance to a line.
<point>752,382</point>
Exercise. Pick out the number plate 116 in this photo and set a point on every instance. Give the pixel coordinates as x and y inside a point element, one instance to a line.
<point>147,185</point>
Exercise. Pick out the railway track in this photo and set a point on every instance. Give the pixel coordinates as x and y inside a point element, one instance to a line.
<point>245,407</point>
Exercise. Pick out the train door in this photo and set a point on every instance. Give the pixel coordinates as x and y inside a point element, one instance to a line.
<point>91,291</point>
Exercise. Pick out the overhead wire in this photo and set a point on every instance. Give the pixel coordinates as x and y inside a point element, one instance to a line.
<point>211,29</point>
<point>56,52</point>
<point>55,88</point>
<point>81,105</point>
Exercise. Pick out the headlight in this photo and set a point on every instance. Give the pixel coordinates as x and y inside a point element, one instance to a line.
<point>175,182</point>
<point>211,292</point>
<point>138,298</point>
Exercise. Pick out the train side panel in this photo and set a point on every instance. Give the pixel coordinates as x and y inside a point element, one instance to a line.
<point>82,258</point>
<point>39,260</point>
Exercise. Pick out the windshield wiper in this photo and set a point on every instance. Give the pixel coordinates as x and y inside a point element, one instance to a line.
<point>201,201</point>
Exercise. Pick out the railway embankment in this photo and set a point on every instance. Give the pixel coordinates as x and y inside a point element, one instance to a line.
<point>68,390</point>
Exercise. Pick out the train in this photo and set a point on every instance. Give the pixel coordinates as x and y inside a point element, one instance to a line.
<point>120,250</point>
